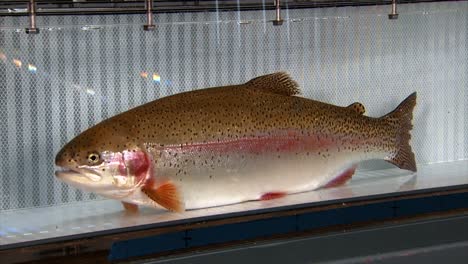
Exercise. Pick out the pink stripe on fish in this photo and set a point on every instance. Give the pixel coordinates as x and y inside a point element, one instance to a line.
<point>264,144</point>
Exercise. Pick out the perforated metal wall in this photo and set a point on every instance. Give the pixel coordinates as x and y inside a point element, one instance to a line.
<point>80,70</point>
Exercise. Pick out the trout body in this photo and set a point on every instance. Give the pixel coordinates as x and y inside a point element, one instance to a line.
<point>231,144</point>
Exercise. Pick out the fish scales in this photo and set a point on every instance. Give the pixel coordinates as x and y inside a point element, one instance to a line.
<point>232,144</point>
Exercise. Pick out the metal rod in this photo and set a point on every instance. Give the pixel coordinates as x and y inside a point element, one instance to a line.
<point>149,16</point>
<point>393,14</point>
<point>32,18</point>
<point>278,20</point>
<point>278,10</point>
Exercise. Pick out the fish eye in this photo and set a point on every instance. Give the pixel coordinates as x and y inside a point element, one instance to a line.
<point>93,158</point>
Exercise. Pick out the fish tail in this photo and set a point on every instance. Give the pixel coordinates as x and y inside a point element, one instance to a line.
<point>400,119</point>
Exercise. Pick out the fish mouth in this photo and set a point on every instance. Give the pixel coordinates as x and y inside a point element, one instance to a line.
<point>88,180</point>
<point>64,173</point>
<point>67,174</point>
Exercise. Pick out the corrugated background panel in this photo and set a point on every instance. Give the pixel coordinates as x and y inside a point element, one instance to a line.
<point>70,76</point>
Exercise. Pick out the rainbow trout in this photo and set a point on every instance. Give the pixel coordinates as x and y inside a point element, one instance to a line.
<point>230,144</point>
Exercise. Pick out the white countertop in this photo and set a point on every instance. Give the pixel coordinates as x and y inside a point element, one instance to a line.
<point>79,219</point>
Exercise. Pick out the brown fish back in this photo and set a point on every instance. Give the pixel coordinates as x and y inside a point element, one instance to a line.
<point>262,106</point>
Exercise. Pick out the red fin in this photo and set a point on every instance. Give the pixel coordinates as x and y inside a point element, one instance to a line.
<point>342,178</point>
<point>130,208</point>
<point>167,195</point>
<point>272,195</point>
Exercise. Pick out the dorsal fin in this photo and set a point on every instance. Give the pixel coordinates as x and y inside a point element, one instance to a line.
<point>358,107</point>
<point>278,83</point>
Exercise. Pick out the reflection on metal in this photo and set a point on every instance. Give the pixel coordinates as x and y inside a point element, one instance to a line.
<point>393,14</point>
<point>17,63</point>
<point>32,18</point>
<point>153,77</point>
<point>91,28</point>
<point>144,75</point>
<point>90,91</point>
<point>278,20</point>
<point>149,15</point>
<point>156,78</point>
<point>32,68</point>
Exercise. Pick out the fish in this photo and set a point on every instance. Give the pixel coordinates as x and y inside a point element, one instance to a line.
<point>259,140</point>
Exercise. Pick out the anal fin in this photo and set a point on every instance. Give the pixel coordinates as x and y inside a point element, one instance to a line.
<point>272,195</point>
<point>167,195</point>
<point>342,178</point>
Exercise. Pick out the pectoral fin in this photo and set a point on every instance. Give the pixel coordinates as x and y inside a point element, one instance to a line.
<point>167,195</point>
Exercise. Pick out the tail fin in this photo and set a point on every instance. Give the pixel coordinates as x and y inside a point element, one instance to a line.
<point>401,118</point>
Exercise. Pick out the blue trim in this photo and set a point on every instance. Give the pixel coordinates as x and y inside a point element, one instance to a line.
<point>285,224</point>
<point>241,231</point>
<point>417,206</point>
<point>147,245</point>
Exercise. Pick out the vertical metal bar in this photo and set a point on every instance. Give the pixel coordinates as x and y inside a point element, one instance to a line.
<point>149,16</point>
<point>393,14</point>
<point>278,20</point>
<point>32,18</point>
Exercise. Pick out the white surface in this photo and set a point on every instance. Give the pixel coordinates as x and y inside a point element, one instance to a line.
<point>28,225</point>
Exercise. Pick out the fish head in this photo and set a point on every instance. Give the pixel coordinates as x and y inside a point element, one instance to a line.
<point>103,162</point>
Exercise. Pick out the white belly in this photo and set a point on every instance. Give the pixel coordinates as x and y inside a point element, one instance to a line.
<point>208,178</point>
<point>250,178</point>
